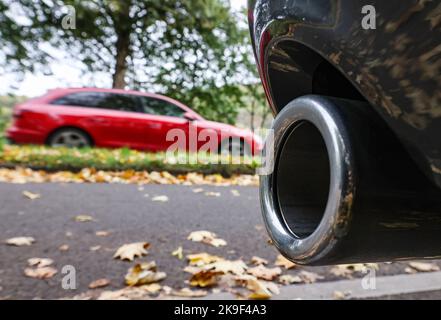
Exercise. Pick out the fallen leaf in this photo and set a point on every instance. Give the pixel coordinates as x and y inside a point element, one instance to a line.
<point>258,261</point>
<point>339,295</point>
<point>309,277</point>
<point>346,270</point>
<point>152,288</point>
<point>20,241</point>
<point>205,278</point>
<point>40,262</point>
<point>95,248</point>
<point>281,261</point>
<point>144,273</point>
<point>31,195</point>
<point>63,247</point>
<point>289,279</point>
<point>212,194</point>
<point>201,259</point>
<point>83,218</point>
<point>198,190</point>
<point>100,283</point>
<point>423,267</point>
<point>40,273</point>
<point>262,272</point>
<point>160,199</point>
<point>237,267</point>
<point>132,250</point>
<point>178,253</point>
<point>207,237</point>
<point>102,233</point>
<point>235,193</point>
<point>260,290</point>
<point>188,293</point>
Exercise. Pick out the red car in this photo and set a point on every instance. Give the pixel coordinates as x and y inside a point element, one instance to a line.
<point>119,118</point>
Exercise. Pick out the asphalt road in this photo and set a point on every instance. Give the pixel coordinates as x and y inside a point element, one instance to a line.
<point>130,216</point>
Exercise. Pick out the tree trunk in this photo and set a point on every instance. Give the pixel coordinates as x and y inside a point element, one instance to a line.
<point>122,52</point>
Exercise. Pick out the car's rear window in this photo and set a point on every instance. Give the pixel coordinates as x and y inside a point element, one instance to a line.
<point>100,100</point>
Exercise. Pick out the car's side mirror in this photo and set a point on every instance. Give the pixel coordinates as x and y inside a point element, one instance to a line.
<point>190,116</point>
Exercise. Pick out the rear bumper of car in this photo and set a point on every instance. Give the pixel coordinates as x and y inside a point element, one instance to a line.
<point>24,136</point>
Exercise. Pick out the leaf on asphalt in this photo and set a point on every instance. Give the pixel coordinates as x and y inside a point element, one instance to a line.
<point>144,273</point>
<point>95,248</point>
<point>207,237</point>
<point>309,277</point>
<point>258,261</point>
<point>40,262</point>
<point>31,195</point>
<point>346,270</point>
<point>339,295</point>
<point>188,293</point>
<point>421,267</point>
<point>202,259</point>
<point>212,194</point>
<point>20,241</point>
<point>264,273</point>
<point>281,261</point>
<point>102,233</point>
<point>288,279</point>
<point>63,247</point>
<point>205,278</point>
<point>160,199</point>
<point>40,273</point>
<point>260,290</point>
<point>132,250</point>
<point>235,193</point>
<point>100,283</point>
<point>237,267</point>
<point>198,190</point>
<point>83,218</point>
<point>178,253</point>
<point>152,288</point>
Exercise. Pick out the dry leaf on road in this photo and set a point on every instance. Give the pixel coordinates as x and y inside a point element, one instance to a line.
<point>346,270</point>
<point>207,237</point>
<point>288,279</point>
<point>205,278</point>
<point>262,272</point>
<point>281,261</point>
<point>144,273</point>
<point>63,247</point>
<point>100,283</point>
<point>212,194</point>
<point>132,250</point>
<point>260,290</point>
<point>422,267</point>
<point>20,241</point>
<point>198,190</point>
<point>188,293</point>
<point>178,253</point>
<point>237,267</point>
<point>201,259</point>
<point>235,193</point>
<point>40,262</point>
<point>102,233</point>
<point>40,273</point>
<point>83,218</point>
<point>31,195</point>
<point>160,199</point>
<point>258,261</point>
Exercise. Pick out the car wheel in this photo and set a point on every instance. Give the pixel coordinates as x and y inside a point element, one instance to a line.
<point>235,147</point>
<point>70,138</point>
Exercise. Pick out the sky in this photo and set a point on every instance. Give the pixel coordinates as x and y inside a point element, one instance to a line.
<point>65,73</point>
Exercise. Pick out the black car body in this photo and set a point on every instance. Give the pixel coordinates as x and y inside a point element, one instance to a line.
<point>319,48</point>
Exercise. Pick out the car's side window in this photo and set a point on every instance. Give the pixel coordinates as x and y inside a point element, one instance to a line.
<point>160,107</point>
<point>101,100</point>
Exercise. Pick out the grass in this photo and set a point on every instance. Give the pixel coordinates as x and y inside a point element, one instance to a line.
<point>57,159</point>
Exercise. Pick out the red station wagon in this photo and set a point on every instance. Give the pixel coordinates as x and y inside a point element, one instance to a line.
<point>117,118</point>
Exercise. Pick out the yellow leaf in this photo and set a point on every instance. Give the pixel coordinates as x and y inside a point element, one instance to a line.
<point>144,273</point>
<point>207,237</point>
<point>20,241</point>
<point>40,273</point>
<point>83,218</point>
<point>100,283</point>
<point>40,262</point>
<point>281,261</point>
<point>178,253</point>
<point>262,272</point>
<point>201,259</point>
<point>132,250</point>
<point>31,195</point>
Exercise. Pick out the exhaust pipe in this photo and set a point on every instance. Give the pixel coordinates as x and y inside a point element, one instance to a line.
<point>344,190</point>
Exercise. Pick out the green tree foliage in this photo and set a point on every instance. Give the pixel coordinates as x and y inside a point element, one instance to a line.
<point>193,50</point>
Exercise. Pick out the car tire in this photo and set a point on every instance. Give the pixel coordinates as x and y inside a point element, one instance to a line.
<point>70,138</point>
